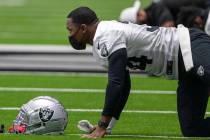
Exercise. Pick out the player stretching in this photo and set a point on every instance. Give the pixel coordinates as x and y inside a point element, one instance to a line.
<point>177,53</point>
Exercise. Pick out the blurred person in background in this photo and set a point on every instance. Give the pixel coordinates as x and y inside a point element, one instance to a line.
<point>175,6</point>
<point>154,15</point>
<point>130,14</point>
<point>195,17</point>
<point>165,13</point>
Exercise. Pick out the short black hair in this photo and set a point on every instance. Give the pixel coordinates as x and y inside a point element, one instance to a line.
<point>83,15</point>
<point>188,14</point>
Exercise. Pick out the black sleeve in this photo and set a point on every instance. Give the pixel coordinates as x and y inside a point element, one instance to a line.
<point>118,79</point>
<point>124,96</point>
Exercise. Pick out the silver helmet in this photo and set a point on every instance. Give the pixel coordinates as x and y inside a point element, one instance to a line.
<point>41,115</point>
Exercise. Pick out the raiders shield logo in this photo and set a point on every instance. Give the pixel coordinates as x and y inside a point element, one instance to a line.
<point>104,51</point>
<point>45,114</point>
<point>200,71</point>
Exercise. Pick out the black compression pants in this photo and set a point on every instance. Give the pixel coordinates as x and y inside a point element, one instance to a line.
<point>193,88</point>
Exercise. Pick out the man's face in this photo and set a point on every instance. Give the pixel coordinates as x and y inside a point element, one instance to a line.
<point>141,17</point>
<point>198,23</point>
<point>74,30</point>
<point>77,34</point>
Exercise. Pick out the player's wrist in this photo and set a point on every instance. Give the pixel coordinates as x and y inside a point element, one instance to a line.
<point>103,124</point>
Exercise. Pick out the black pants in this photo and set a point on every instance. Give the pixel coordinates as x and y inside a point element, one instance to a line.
<point>193,88</point>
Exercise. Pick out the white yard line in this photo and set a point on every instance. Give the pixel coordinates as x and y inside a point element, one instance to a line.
<point>23,89</point>
<point>144,136</point>
<point>60,74</point>
<point>125,111</point>
<point>137,136</point>
<point>12,3</point>
<point>64,74</point>
<point>99,110</point>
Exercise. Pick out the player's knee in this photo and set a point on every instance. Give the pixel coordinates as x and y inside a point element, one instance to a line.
<point>188,132</point>
<point>191,131</point>
<point>190,127</point>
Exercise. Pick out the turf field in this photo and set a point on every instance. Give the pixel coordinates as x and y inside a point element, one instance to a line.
<point>147,115</point>
<point>44,21</point>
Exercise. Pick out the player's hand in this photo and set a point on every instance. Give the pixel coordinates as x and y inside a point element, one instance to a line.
<point>97,133</point>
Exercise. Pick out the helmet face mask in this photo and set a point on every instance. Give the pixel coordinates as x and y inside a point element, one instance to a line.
<point>41,115</point>
<point>21,118</point>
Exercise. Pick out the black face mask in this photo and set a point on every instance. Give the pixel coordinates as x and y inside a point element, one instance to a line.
<point>76,44</point>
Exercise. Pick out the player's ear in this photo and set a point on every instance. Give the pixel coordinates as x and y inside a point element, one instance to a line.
<point>84,28</point>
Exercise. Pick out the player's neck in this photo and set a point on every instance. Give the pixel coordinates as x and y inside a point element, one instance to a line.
<point>92,30</point>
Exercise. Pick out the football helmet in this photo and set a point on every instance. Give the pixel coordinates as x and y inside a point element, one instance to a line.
<point>41,115</point>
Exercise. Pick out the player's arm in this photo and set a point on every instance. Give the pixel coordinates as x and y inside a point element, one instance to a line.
<point>114,101</point>
<point>118,87</point>
<point>124,96</point>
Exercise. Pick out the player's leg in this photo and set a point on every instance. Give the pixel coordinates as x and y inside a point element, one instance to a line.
<point>193,89</point>
<point>192,98</point>
<point>200,46</point>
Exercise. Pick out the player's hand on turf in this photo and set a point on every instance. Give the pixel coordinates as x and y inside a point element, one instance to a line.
<point>97,133</point>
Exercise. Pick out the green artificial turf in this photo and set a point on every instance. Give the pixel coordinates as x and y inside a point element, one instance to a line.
<point>132,124</point>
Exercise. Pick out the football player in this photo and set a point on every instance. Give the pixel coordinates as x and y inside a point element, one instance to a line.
<point>177,53</point>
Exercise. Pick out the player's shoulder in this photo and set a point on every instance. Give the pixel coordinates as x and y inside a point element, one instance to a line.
<point>108,39</point>
<point>109,22</point>
<point>112,25</point>
<point>106,29</point>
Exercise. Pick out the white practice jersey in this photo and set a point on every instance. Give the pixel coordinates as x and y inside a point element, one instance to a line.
<point>152,49</point>
<point>207,26</point>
